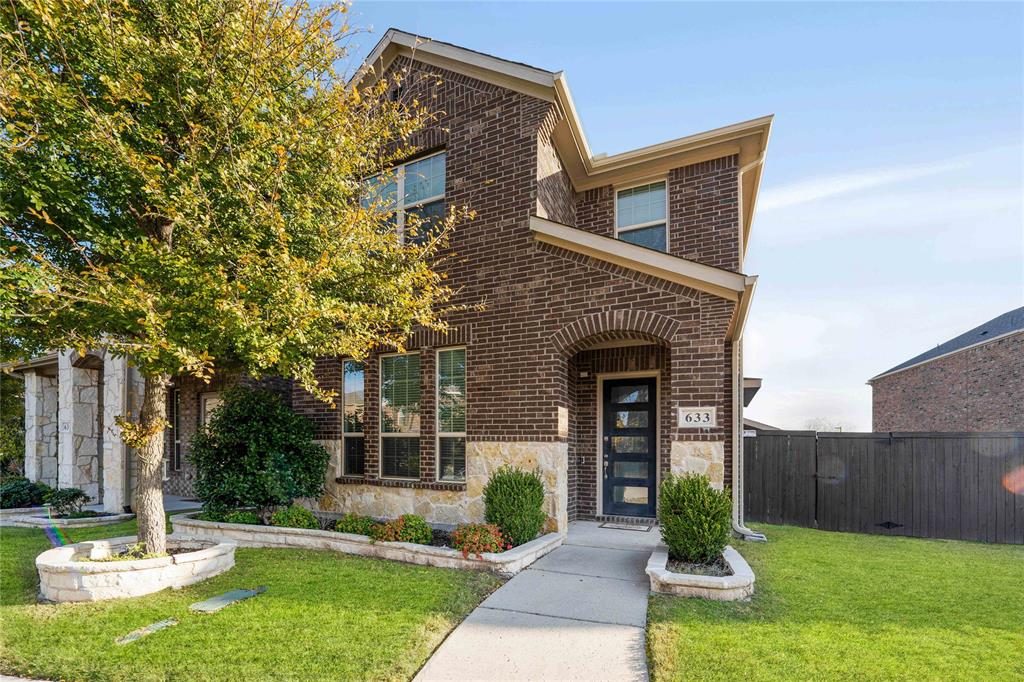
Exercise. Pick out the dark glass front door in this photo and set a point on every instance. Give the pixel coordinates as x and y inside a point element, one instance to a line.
<point>628,438</point>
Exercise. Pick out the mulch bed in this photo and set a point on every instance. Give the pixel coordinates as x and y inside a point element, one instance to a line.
<point>717,568</point>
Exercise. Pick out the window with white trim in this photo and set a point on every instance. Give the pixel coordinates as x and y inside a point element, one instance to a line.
<point>413,188</point>
<point>353,451</point>
<point>641,215</point>
<point>400,416</point>
<point>208,404</point>
<point>451,414</point>
<point>174,429</point>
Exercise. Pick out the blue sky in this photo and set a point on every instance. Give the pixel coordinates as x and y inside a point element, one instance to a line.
<point>891,215</point>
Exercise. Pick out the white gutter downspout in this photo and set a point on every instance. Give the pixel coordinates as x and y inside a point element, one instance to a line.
<point>736,337</point>
<point>737,450</point>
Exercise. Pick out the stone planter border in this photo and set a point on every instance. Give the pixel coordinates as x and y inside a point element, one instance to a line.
<point>504,563</point>
<point>37,521</point>
<point>739,585</point>
<point>64,575</point>
<point>20,511</point>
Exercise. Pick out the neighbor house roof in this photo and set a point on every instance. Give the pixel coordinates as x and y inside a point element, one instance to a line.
<point>748,140</point>
<point>998,327</point>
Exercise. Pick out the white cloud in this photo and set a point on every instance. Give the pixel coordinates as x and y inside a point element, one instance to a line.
<point>815,189</point>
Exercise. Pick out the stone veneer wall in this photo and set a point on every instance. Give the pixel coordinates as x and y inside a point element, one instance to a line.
<point>80,412</point>
<point>41,432</point>
<point>455,506</point>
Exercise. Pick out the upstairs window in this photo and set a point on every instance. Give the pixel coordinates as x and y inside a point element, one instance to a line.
<point>400,416</point>
<point>353,450</point>
<point>640,215</point>
<point>414,188</point>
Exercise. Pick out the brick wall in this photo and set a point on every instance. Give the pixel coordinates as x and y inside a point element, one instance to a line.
<point>498,145</point>
<point>978,389</point>
<point>703,205</point>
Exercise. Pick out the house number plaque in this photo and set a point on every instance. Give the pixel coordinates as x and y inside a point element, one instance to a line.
<point>698,417</point>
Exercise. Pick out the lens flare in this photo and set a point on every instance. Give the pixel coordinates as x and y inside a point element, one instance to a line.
<point>1014,481</point>
<point>53,533</point>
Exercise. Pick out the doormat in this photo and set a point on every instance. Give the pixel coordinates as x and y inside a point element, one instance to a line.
<point>214,604</point>
<point>627,526</point>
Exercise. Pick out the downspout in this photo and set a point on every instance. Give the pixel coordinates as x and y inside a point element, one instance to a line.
<point>737,450</point>
<point>736,337</point>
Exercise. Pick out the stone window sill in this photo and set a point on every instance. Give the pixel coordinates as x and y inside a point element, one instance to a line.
<point>399,483</point>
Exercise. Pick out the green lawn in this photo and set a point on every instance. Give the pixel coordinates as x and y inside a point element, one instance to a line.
<point>845,606</point>
<point>324,616</point>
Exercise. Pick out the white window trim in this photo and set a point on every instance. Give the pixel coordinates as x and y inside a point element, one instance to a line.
<point>175,457</point>
<point>345,434</point>
<point>437,418</point>
<point>380,418</point>
<point>203,397</point>
<point>639,226</point>
<point>401,207</point>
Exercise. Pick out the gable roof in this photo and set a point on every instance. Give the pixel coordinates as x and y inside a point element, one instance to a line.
<point>748,139</point>
<point>1008,323</point>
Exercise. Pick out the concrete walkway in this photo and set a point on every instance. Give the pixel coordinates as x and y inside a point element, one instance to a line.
<point>579,613</point>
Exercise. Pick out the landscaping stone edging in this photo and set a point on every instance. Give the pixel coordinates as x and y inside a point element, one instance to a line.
<point>63,578</point>
<point>506,563</point>
<point>20,511</point>
<point>739,585</point>
<point>37,521</point>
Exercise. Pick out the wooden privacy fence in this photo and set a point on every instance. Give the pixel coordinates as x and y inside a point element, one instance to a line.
<point>960,486</point>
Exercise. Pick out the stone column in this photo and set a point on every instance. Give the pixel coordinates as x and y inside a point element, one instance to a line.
<point>33,434</point>
<point>115,452</point>
<point>78,463</point>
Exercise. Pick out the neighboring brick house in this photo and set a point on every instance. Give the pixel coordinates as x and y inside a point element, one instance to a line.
<point>604,347</point>
<point>972,383</point>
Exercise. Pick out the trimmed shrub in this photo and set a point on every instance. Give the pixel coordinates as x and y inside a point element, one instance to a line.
<point>477,538</point>
<point>294,517</point>
<point>256,452</point>
<point>695,518</point>
<point>355,524</point>
<point>242,516</point>
<point>67,501</point>
<point>406,528</point>
<point>21,492</point>
<point>513,501</point>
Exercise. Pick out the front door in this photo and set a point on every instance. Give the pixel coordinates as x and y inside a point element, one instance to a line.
<point>629,442</point>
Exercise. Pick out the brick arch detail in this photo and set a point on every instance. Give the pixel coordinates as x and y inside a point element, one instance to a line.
<point>613,325</point>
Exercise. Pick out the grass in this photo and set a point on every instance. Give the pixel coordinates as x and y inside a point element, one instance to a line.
<point>324,616</point>
<point>845,606</point>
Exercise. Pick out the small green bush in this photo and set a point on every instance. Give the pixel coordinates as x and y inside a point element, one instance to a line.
<point>256,453</point>
<point>406,528</point>
<point>242,516</point>
<point>355,524</point>
<point>514,501</point>
<point>294,517</point>
<point>21,492</point>
<point>695,518</point>
<point>477,538</point>
<point>67,501</point>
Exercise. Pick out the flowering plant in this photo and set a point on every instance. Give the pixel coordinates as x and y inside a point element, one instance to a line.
<point>477,538</point>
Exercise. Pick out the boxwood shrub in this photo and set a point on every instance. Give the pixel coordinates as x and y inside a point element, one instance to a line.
<point>21,492</point>
<point>243,516</point>
<point>294,517</point>
<point>355,524</point>
<point>514,501</point>
<point>695,518</point>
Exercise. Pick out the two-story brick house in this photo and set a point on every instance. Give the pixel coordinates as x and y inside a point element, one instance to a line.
<point>612,297</point>
<point>604,341</point>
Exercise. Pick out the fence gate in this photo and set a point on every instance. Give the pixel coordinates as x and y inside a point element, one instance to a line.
<point>932,485</point>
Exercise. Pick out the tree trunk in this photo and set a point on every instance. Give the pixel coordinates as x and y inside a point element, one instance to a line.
<point>149,497</point>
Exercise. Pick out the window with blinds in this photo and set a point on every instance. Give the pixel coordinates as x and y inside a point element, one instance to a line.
<point>400,415</point>
<point>451,414</point>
